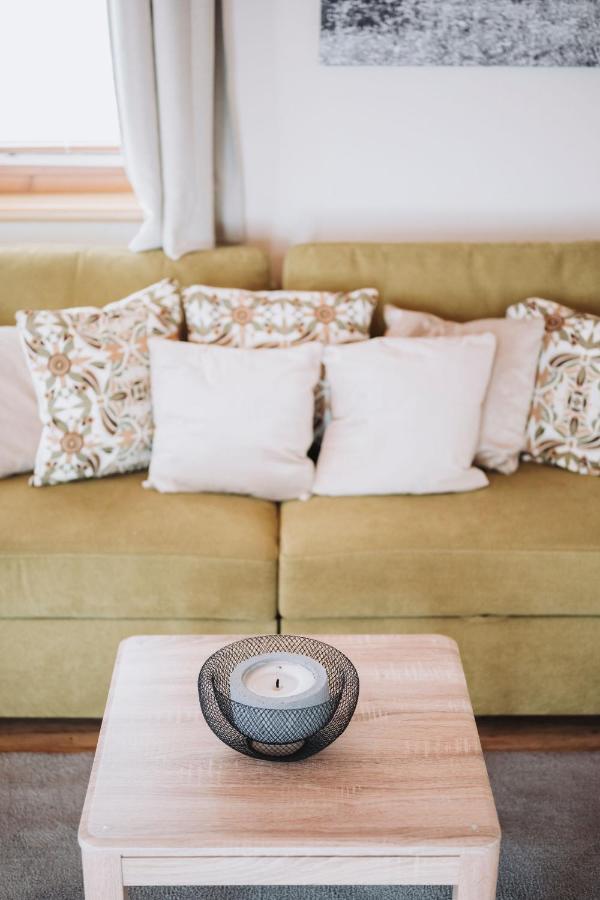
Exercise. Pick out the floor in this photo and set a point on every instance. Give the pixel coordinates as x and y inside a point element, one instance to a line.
<point>527,733</point>
<point>549,810</point>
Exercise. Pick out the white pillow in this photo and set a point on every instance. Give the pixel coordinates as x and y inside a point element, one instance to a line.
<point>508,401</point>
<point>231,420</point>
<point>406,415</point>
<point>20,425</point>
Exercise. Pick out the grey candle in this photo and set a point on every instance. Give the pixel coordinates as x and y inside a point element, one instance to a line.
<point>280,681</point>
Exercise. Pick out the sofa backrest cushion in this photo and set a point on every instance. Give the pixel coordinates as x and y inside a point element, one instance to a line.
<point>47,277</point>
<point>452,280</point>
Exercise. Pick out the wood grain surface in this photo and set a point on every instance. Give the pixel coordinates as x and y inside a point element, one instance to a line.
<point>406,778</point>
<point>274,870</point>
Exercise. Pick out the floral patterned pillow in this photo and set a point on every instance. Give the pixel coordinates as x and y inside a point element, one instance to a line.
<point>238,318</point>
<point>262,319</point>
<point>564,422</point>
<point>91,372</point>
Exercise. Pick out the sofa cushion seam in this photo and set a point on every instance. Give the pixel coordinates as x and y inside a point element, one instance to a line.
<point>433,550</point>
<point>132,556</point>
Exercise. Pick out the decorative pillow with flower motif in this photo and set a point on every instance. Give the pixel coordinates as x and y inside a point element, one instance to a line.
<point>261,319</point>
<point>564,423</point>
<point>91,372</point>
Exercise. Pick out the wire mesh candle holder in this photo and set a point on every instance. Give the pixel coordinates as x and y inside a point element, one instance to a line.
<point>280,730</point>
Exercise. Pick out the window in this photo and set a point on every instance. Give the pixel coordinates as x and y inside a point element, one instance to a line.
<point>59,127</point>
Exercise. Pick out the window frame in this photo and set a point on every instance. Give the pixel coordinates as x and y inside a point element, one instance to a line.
<point>65,184</point>
<point>85,169</point>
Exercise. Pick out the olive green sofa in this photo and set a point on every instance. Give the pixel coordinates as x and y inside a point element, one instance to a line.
<point>84,565</point>
<point>511,572</point>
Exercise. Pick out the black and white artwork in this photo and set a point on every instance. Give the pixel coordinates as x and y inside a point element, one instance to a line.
<point>460,32</point>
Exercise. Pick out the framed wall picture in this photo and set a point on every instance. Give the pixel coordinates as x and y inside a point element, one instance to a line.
<point>460,32</point>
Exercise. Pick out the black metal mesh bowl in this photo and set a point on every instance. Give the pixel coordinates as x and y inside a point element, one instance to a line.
<point>280,735</point>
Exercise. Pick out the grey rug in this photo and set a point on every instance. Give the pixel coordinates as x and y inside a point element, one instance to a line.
<point>548,803</point>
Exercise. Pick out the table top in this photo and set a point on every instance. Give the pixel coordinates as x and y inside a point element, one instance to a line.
<point>407,776</point>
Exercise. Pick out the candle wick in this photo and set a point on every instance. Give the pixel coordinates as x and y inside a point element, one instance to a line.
<point>277,683</point>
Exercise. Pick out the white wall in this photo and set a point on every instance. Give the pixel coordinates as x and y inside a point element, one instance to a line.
<point>394,153</point>
<point>406,153</point>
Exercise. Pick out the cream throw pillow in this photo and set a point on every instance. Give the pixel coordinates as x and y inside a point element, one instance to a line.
<point>20,426</point>
<point>508,400</point>
<point>564,426</point>
<point>91,373</point>
<point>233,421</point>
<point>406,415</point>
<point>233,317</point>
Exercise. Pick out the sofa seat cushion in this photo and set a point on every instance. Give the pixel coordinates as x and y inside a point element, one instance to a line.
<point>515,665</point>
<point>110,549</point>
<point>60,668</point>
<point>527,545</point>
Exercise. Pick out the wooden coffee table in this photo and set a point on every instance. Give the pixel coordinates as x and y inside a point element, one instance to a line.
<point>402,797</point>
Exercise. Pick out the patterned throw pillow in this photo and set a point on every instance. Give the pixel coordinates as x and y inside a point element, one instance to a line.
<point>262,319</point>
<point>91,373</point>
<point>564,423</point>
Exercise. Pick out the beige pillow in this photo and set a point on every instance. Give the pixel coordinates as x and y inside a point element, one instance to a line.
<point>233,421</point>
<point>564,426</point>
<point>91,373</point>
<point>406,415</point>
<point>20,426</point>
<point>508,400</point>
<point>234,317</point>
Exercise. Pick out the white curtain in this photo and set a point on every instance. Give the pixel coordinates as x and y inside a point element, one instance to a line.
<point>164,60</point>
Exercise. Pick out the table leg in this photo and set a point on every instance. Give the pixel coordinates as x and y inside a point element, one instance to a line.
<point>102,875</point>
<point>478,875</point>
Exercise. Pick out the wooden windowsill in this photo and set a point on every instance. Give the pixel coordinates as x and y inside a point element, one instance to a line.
<point>71,207</point>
